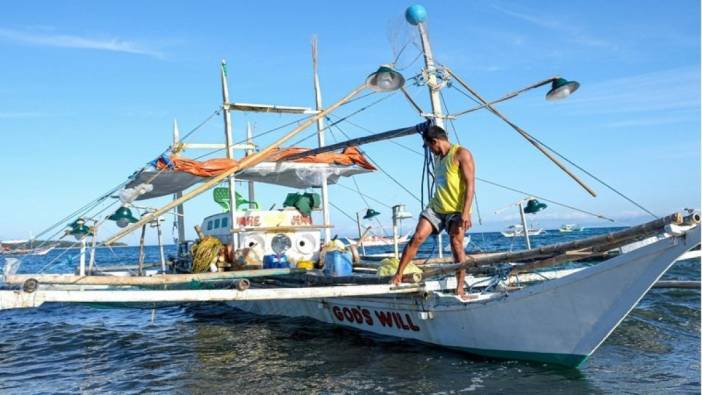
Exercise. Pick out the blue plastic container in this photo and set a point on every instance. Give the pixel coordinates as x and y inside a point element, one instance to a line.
<point>338,264</point>
<point>275,262</point>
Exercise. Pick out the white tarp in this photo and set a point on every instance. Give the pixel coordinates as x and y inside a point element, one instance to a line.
<point>290,174</point>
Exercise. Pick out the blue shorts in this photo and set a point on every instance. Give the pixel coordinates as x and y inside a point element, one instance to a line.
<point>439,221</point>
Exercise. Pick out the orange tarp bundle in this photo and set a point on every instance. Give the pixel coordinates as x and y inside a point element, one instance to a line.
<point>212,167</point>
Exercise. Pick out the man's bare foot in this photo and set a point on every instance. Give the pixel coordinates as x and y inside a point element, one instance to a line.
<point>466,297</point>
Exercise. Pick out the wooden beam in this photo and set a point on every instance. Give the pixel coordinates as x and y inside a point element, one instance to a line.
<point>359,141</point>
<point>250,107</point>
<point>17,299</point>
<point>280,229</point>
<point>160,279</point>
<point>642,230</point>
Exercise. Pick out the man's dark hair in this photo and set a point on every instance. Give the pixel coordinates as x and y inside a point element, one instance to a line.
<point>434,133</point>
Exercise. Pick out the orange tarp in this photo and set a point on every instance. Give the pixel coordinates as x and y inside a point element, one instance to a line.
<point>212,167</point>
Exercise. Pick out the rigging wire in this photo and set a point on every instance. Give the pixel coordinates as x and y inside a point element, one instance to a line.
<point>367,196</point>
<point>333,124</point>
<point>358,189</point>
<point>544,199</point>
<point>379,167</point>
<point>611,188</point>
<point>342,211</point>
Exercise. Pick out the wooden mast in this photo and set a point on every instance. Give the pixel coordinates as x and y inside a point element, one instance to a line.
<point>230,155</point>
<point>249,151</point>
<point>180,213</point>
<point>434,96</point>
<point>320,140</point>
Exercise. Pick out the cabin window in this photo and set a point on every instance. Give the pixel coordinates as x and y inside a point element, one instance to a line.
<point>225,222</point>
<point>209,225</point>
<point>216,225</point>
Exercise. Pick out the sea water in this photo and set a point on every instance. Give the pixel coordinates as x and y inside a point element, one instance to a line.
<point>211,348</point>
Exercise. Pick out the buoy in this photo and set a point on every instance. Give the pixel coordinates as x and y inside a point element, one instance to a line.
<point>416,14</point>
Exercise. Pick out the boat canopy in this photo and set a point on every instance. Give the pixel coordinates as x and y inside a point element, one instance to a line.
<point>169,175</point>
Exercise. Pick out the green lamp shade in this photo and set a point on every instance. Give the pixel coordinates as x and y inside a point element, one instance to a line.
<point>385,79</point>
<point>370,213</point>
<point>78,229</point>
<point>561,88</point>
<point>123,217</point>
<point>534,206</point>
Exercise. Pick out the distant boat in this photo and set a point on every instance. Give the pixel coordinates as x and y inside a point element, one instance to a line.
<point>380,241</point>
<point>567,228</point>
<point>518,230</point>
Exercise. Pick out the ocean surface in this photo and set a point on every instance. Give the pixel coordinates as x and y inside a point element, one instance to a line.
<point>211,348</point>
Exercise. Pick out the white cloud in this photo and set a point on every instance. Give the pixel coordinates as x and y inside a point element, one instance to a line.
<point>569,32</point>
<point>50,39</point>
<point>664,91</point>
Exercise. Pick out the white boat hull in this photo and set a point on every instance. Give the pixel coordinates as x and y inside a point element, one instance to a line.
<point>561,321</point>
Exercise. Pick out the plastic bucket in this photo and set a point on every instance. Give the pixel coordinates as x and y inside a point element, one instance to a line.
<point>337,263</point>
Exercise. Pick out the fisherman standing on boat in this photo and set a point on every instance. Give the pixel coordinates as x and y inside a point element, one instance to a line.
<point>450,207</point>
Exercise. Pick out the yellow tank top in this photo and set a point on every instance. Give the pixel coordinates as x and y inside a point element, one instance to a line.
<point>450,193</point>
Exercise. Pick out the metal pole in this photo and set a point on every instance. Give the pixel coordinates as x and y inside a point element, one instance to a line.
<point>230,155</point>
<point>360,236</point>
<point>524,225</point>
<point>180,213</point>
<point>141,250</point>
<point>395,236</point>
<point>81,270</point>
<point>249,140</point>
<point>434,96</point>
<point>320,140</point>
<point>92,249</point>
<point>160,245</point>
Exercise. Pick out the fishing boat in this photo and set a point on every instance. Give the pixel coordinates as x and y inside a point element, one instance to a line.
<point>568,228</point>
<point>282,262</point>
<point>518,231</point>
<point>381,241</point>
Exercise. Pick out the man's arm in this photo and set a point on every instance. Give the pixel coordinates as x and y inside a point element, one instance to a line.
<point>467,166</point>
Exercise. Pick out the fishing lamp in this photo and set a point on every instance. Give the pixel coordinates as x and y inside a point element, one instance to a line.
<point>78,229</point>
<point>561,88</point>
<point>534,206</point>
<point>280,244</point>
<point>123,217</point>
<point>370,213</point>
<point>385,79</point>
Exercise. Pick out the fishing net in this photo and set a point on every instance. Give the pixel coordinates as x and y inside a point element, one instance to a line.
<point>404,42</point>
<point>205,252</point>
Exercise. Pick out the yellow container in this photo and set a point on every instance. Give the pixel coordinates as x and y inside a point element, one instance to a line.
<point>307,265</point>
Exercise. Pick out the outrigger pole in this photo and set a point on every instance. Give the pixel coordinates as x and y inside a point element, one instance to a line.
<point>383,80</point>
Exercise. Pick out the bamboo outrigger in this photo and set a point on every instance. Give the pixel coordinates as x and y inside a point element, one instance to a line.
<point>562,320</point>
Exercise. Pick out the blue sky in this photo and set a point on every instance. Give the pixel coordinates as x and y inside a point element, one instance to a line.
<point>89,91</point>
